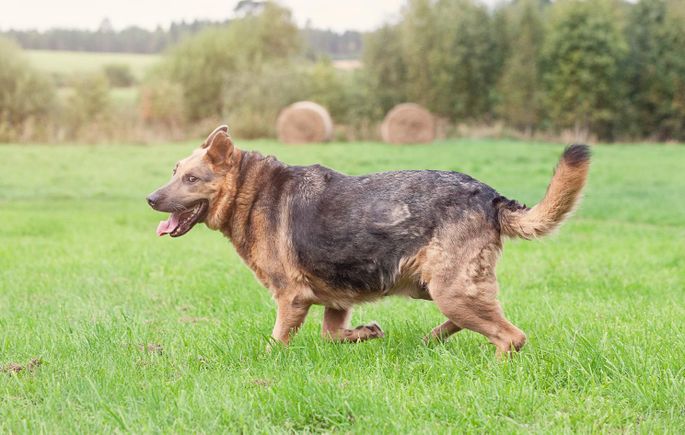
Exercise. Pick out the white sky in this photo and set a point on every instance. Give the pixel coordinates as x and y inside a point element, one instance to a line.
<point>87,14</point>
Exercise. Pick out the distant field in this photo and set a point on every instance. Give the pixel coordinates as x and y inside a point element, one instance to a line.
<point>66,62</point>
<point>87,287</point>
<point>120,97</point>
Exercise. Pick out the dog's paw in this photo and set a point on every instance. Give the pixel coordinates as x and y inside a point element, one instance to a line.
<point>366,332</point>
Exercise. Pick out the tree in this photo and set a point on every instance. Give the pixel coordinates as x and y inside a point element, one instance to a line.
<point>385,72</point>
<point>519,85</point>
<point>450,57</point>
<point>582,53</point>
<point>656,69</point>
<point>203,64</point>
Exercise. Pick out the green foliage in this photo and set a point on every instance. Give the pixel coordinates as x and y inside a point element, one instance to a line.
<point>444,55</point>
<point>252,98</point>
<point>385,71</point>
<point>26,95</point>
<point>328,87</point>
<point>519,86</point>
<point>161,102</point>
<point>348,97</point>
<point>205,64</point>
<point>656,76</point>
<point>89,103</point>
<point>582,53</point>
<point>119,75</point>
<point>449,53</point>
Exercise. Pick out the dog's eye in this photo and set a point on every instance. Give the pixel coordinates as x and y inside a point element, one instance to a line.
<point>191,179</point>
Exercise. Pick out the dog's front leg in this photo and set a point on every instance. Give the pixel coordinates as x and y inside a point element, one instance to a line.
<point>291,315</point>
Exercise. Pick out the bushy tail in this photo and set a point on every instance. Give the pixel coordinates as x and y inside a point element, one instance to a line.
<point>563,194</point>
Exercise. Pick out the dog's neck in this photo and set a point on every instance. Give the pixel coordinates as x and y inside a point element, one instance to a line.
<point>252,174</point>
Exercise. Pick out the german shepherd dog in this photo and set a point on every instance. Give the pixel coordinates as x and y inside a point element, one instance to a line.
<point>312,235</point>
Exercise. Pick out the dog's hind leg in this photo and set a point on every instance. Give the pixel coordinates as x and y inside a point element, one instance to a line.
<point>336,327</point>
<point>335,319</point>
<point>473,305</point>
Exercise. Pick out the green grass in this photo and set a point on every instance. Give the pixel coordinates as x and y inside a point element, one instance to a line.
<point>84,282</point>
<point>70,62</point>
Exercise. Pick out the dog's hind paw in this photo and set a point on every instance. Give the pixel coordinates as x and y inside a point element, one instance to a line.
<point>360,333</point>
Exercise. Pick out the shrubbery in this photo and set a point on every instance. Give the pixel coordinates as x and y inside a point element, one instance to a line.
<point>205,65</point>
<point>88,106</point>
<point>119,75</point>
<point>26,95</point>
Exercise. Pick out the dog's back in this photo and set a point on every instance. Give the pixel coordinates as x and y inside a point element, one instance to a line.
<point>354,232</point>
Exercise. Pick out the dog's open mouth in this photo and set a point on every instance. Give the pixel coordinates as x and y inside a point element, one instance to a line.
<point>180,222</point>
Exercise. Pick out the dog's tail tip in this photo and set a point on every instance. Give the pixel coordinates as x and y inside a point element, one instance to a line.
<point>576,155</point>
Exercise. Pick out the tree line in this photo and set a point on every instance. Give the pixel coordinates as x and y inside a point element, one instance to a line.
<point>133,39</point>
<point>613,68</point>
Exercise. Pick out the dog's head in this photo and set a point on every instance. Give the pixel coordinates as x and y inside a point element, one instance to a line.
<point>196,185</point>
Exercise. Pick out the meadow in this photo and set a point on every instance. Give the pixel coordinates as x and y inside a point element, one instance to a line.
<point>130,332</point>
<point>70,62</point>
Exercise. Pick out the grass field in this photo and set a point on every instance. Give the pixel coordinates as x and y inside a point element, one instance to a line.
<point>69,62</point>
<point>85,287</point>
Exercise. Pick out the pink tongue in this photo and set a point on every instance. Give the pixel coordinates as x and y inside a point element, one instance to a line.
<point>167,226</point>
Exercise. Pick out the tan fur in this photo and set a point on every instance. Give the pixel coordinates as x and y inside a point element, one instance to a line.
<point>563,195</point>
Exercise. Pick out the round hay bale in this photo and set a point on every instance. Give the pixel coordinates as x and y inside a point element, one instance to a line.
<point>304,122</point>
<point>408,123</point>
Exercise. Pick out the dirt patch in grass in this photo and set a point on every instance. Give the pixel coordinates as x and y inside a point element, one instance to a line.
<point>262,382</point>
<point>190,319</point>
<point>153,348</point>
<point>17,368</point>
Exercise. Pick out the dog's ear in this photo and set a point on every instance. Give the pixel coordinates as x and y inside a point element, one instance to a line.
<point>219,146</point>
<point>220,149</point>
<point>208,141</point>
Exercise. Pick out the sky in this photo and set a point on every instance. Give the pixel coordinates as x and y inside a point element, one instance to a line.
<point>87,14</point>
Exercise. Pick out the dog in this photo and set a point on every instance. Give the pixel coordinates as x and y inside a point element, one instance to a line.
<point>312,235</point>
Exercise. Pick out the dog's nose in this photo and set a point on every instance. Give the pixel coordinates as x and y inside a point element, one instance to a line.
<point>152,200</point>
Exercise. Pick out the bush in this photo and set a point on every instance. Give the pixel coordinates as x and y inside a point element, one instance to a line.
<point>348,97</point>
<point>88,106</point>
<point>253,99</point>
<point>119,75</point>
<point>205,65</point>
<point>26,95</point>
<point>161,103</point>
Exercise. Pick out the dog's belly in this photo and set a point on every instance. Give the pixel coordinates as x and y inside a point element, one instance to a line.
<point>346,298</point>
<point>405,283</point>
